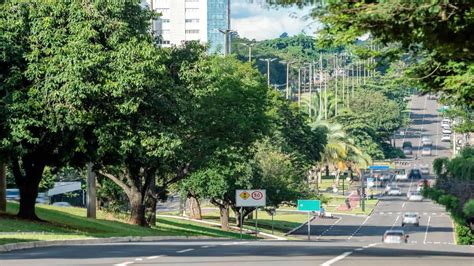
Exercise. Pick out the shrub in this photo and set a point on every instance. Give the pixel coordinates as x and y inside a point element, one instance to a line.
<point>464,235</point>
<point>468,209</point>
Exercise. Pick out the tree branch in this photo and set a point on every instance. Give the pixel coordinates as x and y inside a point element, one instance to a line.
<point>117,181</point>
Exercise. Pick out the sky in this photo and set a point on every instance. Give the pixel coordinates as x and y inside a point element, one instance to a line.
<point>254,21</point>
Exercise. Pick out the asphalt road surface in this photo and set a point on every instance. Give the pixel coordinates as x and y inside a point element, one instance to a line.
<point>344,240</point>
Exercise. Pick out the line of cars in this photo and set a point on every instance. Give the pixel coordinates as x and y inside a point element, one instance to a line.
<point>446,130</point>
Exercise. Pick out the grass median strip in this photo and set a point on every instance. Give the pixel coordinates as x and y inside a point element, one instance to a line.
<point>63,223</point>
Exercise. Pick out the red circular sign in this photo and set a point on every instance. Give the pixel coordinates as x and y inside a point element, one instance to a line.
<point>257,195</point>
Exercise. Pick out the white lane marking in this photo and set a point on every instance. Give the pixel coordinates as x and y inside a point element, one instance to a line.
<point>336,259</point>
<point>403,205</point>
<point>427,227</point>
<point>437,242</point>
<point>396,220</point>
<point>359,249</point>
<point>185,250</point>
<point>205,247</point>
<point>357,230</point>
<point>138,259</point>
<point>124,263</point>
<point>329,229</point>
<point>153,257</point>
<point>413,242</point>
<point>390,213</point>
<point>434,213</point>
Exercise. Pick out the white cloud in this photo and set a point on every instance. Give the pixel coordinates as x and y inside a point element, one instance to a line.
<point>254,21</point>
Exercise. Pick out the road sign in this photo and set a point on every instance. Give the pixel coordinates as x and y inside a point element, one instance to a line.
<point>309,205</point>
<point>250,197</point>
<point>379,167</point>
<point>370,182</point>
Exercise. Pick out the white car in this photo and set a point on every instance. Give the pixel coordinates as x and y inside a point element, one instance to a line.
<point>415,196</point>
<point>446,138</point>
<point>62,204</point>
<point>411,218</point>
<point>426,140</point>
<point>395,237</point>
<point>394,192</point>
<point>425,170</point>
<point>447,131</point>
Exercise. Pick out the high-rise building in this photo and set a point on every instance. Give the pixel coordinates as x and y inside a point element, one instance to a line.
<point>191,20</point>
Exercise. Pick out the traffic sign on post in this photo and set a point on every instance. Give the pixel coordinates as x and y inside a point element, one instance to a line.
<point>250,197</point>
<point>309,205</point>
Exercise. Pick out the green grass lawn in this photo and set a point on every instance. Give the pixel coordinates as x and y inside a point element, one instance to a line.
<point>71,223</point>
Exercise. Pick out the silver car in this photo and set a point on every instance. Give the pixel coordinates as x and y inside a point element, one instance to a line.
<point>395,237</point>
<point>411,218</point>
<point>394,192</point>
<point>415,196</point>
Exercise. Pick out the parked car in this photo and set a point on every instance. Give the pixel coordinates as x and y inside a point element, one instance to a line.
<point>411,218</point>
<point>446,138</point>
<point>395,237</point>
<point>13,194</point>
<point>62,204</point>
<point>414,174</point>
<point>407,148</point>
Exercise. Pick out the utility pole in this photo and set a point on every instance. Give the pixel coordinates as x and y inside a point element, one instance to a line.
<point>352,81</point>
<point>299,87</point>
<point>320,84</point>
<point>310,89</point>
<point>268,60</point>
<point>250,46</point>
<point>326,98</point>
<point>343,83</point>
<point>91,192</point>
<point>335,71</point>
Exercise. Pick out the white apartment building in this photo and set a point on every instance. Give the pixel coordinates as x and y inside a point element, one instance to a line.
<point>190,20</point>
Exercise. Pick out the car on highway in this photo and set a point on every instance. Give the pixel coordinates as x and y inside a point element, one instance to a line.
<point>415,196</point>
<point>446,138</point>
<point>395,237</point>
<point>425,140</point>
<point>401,174</point>
<point>414,174</point>
<point>407,148</point>
<point>395,191</point>
<point>446,131</point>
<point>426,150</point>
<point>411,218</point>
<point>425,170</point>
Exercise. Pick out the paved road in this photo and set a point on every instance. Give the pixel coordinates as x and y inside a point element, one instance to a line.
<point>346,240</point>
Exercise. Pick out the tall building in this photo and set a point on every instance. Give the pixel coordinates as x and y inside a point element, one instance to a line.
<point>191,20</point>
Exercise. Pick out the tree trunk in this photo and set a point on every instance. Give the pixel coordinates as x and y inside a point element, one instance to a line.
<point>224,215</point>
<point>28,185</point>
<point>137,207</point>
<point>3,188</point>
<point>194,208</point>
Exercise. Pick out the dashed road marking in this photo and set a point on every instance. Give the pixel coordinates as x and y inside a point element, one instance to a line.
<point>329,229</point>
<point>359,249</point>
<point>185,250</point>
<point>358,229</point>
<point>124,263</point>
<point>336,259</point>
<point>427,227</point>
<point>138,259</point>
<point>152,257</point>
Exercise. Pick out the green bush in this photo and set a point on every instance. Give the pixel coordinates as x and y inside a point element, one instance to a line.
<point>464,235</point>
<point>468,209</point>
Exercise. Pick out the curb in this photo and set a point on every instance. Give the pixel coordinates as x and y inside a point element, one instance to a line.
<point>217,224</point>
<point>299,226</point>
<point>71,242</point>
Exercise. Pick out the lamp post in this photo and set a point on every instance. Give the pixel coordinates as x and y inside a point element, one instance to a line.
<point>288,63</point>
<point>250,46</point>
<point>268,60</point>
<point>226,33</point>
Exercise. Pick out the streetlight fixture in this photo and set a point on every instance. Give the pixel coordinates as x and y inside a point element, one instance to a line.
<point>226,33</point>
<point>288,63</point>
<point>268,60</point>
<point>250,46</point>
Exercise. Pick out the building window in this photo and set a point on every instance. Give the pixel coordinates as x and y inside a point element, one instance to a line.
<point>164,42</point>
<point>192,31</point>
<point>165,20</point>
<point>192,1</point>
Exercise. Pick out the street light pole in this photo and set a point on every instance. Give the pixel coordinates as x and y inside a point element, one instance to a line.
<point>250,46</point>
<point>268,60</point>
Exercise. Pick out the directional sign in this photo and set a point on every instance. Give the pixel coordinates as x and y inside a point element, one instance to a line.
<point>309,205</point>
<point>379,167</point>
<point>250,197</point>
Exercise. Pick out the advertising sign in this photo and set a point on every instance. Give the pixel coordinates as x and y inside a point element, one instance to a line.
<point>250,197</point>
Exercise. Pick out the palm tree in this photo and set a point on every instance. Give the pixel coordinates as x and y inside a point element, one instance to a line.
<point>340,151</point>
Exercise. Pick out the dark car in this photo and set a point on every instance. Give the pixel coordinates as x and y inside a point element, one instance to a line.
<point>414,174</point>
<point>407,148</point>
